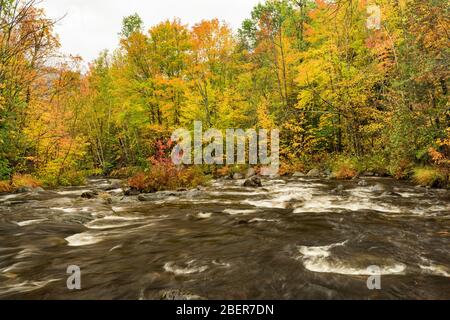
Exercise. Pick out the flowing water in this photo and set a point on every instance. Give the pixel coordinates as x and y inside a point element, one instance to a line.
<point>295,238</point>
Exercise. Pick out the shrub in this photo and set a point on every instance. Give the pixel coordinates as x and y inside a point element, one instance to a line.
<point>291,168</point>
<point>344,168</point>
<point>71,178</point>
<point>376,163</point>
<point>5,186</point>
<point>165,176</point>
<point>19,181</point>
<point>401,169</point>
<point>125,173</point>
<point>429,176</point>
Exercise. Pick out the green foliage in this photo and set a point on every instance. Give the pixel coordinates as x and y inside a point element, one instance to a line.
<point>131,24</point>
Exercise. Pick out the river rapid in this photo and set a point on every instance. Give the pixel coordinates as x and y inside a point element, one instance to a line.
<point>295,238</point>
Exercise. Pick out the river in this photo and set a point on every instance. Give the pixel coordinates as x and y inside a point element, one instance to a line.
<point>295,238</point>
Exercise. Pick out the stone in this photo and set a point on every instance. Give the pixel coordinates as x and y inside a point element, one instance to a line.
<point>363,183</point>
<point>250,173</point>
<point>177,295</point>
<point>24,190</point>
<point>391,194</point>
<point>89,195</point>
<point>145,198</point>
<point>132,192</point>
<point>298,175</point>
<point>340,188</point>
<point>314,173</point>
<point>379,188</point>
<point>253,182</point>
<point>238,176</point>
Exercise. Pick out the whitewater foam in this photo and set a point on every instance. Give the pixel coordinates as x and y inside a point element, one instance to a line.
<point>315,259</point>
<point>189,269</point>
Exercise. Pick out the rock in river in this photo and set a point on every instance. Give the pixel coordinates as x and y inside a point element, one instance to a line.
<point>253,182</point>
<point>314,173</point>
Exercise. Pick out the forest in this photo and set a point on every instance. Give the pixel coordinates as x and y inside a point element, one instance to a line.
<point>349,97</point>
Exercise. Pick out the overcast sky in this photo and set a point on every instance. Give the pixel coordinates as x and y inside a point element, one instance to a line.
<point>92,25</point>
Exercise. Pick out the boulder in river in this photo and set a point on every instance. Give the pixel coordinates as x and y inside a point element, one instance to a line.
<point>298,175</point>
<point>363,183</point>
<point>253,182</point>
<point>379,188</point>
<point>250,173</point>
<point>24,190</point>
<point>132,192</point>
<point>391,194</point>
<point>89,194</point>
<point>314,173</point>
<point>113,186</point>
<point>340,188</point>
<point>146,197</point>
<point>238,176</point>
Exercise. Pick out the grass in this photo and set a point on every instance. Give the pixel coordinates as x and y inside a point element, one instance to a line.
<point>430,177</point>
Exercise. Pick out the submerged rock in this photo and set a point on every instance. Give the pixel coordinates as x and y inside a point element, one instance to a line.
<point>113,186</point>
<point>340,188</point>
<point>253,182</point>
<point>363,183</point>
<point>89,194</point>
<point>132,192</point>
<point>145,198</point>
<point>177,295</point>
<point>391,194</point>
<point>379,188</point>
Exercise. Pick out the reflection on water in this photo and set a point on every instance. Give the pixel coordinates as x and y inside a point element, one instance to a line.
<point>292,239</point>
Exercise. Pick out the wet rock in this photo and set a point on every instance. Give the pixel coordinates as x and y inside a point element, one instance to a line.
<point>298,175</point>
<point>363,183</point>
<point>182,190</point>
<point>238,176</point>
<point>379,188</point>
<point>250,173</point>
<point>391,194</point>
<point>340,188</point>
<point>38,190</point>
<point>314,173</point>
<point>253,182</point>
<point>146,198</point>
<point>368,174</point>
<point>112,186</point>
<point>24,190</point>
<point>178,295</point>
<point>132,192</point>
<point>89,195</point>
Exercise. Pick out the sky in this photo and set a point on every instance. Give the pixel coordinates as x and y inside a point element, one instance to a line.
<point>90,26</point>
